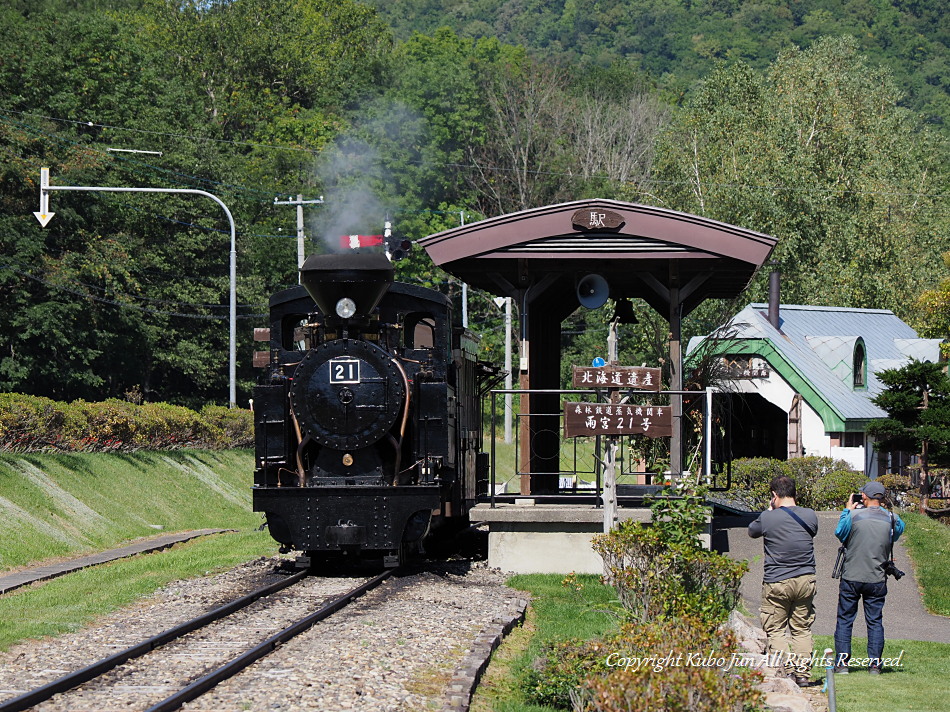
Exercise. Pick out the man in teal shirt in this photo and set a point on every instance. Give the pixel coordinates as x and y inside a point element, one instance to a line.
<point>869,532</point>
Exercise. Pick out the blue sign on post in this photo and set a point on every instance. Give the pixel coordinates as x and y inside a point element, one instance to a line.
<point>598,362</point>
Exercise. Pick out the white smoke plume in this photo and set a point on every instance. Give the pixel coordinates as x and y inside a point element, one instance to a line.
<point>356,179</point>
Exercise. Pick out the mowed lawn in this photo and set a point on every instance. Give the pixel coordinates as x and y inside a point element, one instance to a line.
<point>56,506</point>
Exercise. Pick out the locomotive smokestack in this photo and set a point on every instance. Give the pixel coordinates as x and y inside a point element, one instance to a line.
<point>347,285</point>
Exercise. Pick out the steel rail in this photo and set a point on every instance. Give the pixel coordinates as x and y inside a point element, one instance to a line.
<point>202,685</point>
<point>74,679</point>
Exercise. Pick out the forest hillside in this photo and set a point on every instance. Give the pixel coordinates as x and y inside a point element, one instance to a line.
<point>792,119</point>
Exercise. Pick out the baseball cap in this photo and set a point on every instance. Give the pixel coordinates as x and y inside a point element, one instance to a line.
<point>874,490</point>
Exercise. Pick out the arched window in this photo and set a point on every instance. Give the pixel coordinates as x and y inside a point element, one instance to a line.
<point>860,365</point>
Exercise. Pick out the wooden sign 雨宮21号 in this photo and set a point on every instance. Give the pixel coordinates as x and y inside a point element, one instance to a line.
<point>587,419</point>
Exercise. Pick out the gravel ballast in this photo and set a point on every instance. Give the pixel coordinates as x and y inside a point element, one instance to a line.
<point>416,642</point>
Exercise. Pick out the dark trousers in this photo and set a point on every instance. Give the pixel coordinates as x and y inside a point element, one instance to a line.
<point>873,595</point>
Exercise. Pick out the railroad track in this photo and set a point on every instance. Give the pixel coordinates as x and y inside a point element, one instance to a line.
<point>114,676</point>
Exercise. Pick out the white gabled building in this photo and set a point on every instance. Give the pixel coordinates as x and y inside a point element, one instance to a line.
<point>804,387</point>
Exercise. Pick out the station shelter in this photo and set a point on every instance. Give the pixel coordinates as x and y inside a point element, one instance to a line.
<point>553,258</point>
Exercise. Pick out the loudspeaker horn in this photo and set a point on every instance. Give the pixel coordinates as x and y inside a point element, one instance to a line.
<point>592,291</point>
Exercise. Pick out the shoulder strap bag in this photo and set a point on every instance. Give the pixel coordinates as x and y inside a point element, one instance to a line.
<point>890,568</point>
<point>798,519</point>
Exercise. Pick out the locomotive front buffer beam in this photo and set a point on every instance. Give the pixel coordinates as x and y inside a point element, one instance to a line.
<point>353,520</point>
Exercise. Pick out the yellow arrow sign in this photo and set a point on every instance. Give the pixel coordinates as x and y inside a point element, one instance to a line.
<point>44,218</point>
<point>44,215</point>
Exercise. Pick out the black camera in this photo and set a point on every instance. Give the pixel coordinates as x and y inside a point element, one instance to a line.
<point>890,569</point>
<point>856,498</point>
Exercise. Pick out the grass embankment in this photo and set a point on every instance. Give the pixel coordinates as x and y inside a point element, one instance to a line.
<point>559,612</point>
<point>929,544</point>
<point>57,505</point>
<point>64,505</point>
<point>67,603</point>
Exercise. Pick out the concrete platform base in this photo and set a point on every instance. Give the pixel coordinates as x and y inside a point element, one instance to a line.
<point>531,539</point>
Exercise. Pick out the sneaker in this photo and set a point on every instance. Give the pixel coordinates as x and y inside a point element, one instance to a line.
<point>874,671</point>
<point>804,681</point>
<point>841,669</point>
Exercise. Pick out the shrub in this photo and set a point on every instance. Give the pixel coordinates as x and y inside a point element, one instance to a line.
<point>30,423</point>
<point>680,520</point>
<point>235,424</point>
<point>633,564</point>
<point>753,475</point>
<point>676,594</point>
<point>34,423</point>
<point>169,427</point>
<point>655,579</point>
<point>821,482</point>
<point>108,426</point>
<point>696,676</point>
<point>824,483</point>
<point>900,490</point>
<point>679,665</point>
<point>563,669</point>
<point>660,570</point>
<point>894,482</point>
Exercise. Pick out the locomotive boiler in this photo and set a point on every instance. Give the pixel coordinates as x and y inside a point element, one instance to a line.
<point>367,419</point>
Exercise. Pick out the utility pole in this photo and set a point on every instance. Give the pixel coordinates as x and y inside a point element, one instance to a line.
<point>925,460</point>
<point>299,202</point>
<point>464,284</point>
<point>508,381</point>
<point>506,301</point>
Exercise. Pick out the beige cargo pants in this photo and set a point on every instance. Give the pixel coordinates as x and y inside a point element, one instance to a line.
<point>787,612</point>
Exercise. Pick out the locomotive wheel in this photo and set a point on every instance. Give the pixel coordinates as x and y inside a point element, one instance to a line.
<point>347,394</point>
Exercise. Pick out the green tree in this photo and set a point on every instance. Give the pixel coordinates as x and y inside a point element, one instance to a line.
<point>72,329</point>
<point>933,311</point>
<point>818,153</point>
<point>917,401</point>
<point>679,43</point>
<point>124,292</point>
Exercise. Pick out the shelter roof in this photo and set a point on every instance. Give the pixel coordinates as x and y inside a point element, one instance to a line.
<point>641,250</point>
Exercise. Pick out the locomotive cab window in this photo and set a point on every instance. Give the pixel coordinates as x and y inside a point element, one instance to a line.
<point>420,331</point>
<point>296,337</point>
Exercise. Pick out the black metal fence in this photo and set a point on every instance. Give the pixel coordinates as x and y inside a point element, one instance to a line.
<point>579,466</point>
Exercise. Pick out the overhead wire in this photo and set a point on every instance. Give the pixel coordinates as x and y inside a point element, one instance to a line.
<point>126,305</point>
<point>168,134</point>
<point>639,180</point>
<point>187,177</point>
<point>14,264</point>
<point>180,177</point>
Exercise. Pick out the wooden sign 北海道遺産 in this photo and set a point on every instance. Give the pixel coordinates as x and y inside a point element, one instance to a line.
<point>631,377</point>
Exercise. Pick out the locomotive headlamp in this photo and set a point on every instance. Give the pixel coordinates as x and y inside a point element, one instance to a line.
<point>345,308</point>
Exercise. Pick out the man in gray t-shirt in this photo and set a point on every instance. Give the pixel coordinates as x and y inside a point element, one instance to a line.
<point>787,610</point>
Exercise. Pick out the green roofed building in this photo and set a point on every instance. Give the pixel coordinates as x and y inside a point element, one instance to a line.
<point>800,381</point>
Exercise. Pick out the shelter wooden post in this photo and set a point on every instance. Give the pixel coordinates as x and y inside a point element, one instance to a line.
<point>550,301</point>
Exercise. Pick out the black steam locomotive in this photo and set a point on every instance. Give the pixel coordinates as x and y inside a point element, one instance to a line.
<point>367,420</point>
